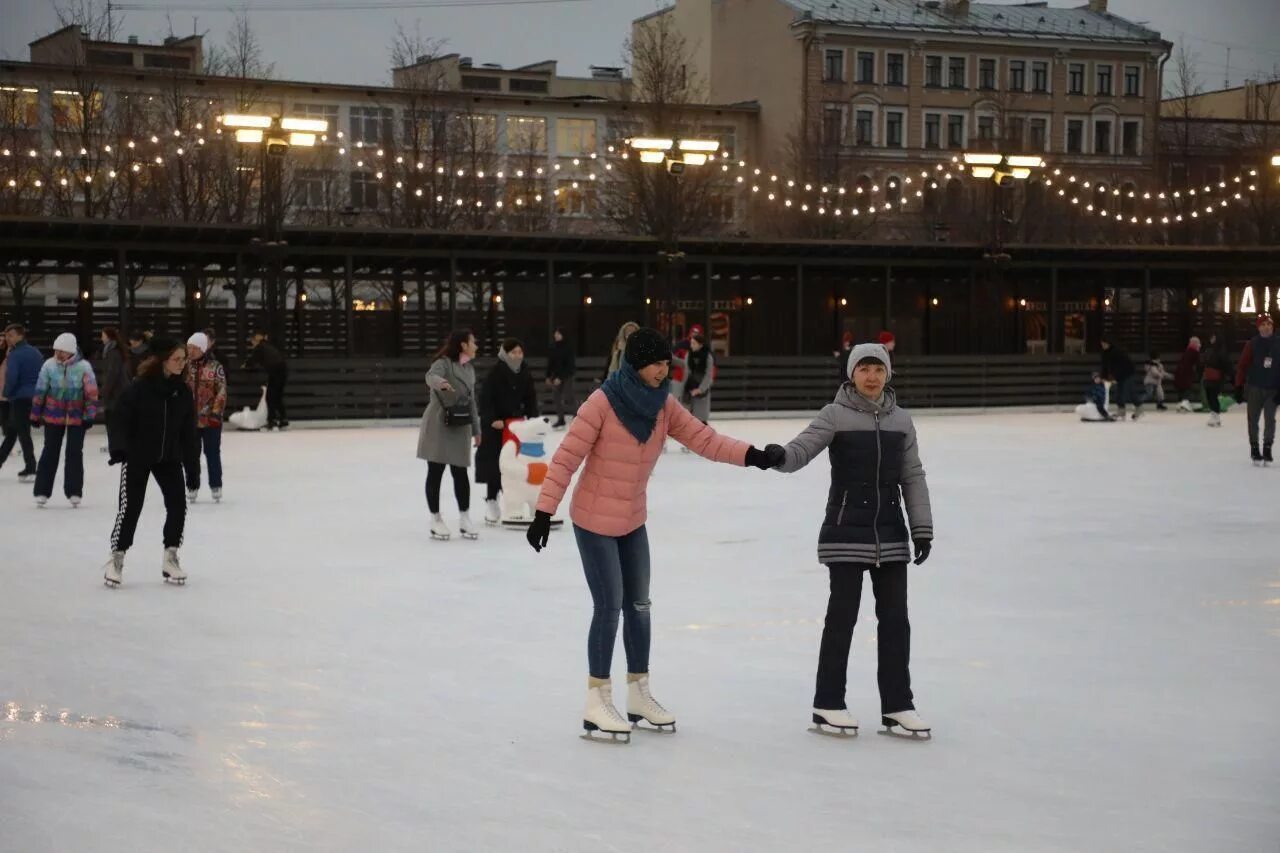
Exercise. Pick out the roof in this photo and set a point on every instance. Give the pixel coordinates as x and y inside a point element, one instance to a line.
<point>1029,19</point>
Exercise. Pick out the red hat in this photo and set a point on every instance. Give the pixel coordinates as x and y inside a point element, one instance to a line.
<point>695,329</point>
<point>1265,318</point>
<point>847,338</point>
<point>886,338</point>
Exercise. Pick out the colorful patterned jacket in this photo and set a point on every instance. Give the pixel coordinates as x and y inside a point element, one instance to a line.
<point>208,383</point>
<point>66,394</point>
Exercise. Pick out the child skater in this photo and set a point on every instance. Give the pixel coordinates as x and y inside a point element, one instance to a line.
<point>875,469</point>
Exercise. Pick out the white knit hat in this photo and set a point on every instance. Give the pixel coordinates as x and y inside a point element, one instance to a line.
<point>200,341</point>
<point>66,342</point>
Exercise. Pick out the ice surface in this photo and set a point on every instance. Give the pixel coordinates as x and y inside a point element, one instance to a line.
<point>1097,644</point>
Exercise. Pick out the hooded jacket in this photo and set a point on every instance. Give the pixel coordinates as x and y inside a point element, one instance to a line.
<point>208,384</point>
<point>21,372</point>
<point>154,422</point>
<point>66,393</point>
<point>875,471</point>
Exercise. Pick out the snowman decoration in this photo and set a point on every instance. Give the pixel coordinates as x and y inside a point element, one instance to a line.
<point>524,464</point>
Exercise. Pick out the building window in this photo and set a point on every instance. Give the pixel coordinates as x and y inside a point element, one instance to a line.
<point>523,84</point>
<point>933,131</point>
<point>424,130</point>
<point>1131,139</point>
<point>1104,80</point>
<point>833,124</point>
<point>476,133</point>
<point>72,111</point>
<point>1039,134</point>
<point>527,134</point>
<point>933,71</point>
<point>364,191</point>
<point>864,123</point>
<point>1133,81</point>
<point>1075,78</point>
<point>573,198</point>
<point>987,74</point>
<point>955,131</point>
<point>833,66</point>
<point>897,67</point>
<point>19,107</point>
<point>1040,77</point>
<point>1015,132</point>
<point>575,136</point>
<point>309,187</point>
<point>986,127</point>
<point>1101,136</point>
<point>1017,75</point>
<point>866,66</point>
<point>956,77</point>
<point>483,84</point>
<point>893,132</point>
<point>370,125</point>
<point>1075,136</point>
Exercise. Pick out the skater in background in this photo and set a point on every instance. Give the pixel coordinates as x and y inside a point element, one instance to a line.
<point>450,428</point>
<point>619,433</point>
<point>1153,381</point>
<point>207,382</point>
<point>66,402</point>
<point>1095,407</point>
<point>697,367</point>
<point>153,435</point>
<point>5,429</point>
<point>21,372</point>
<point>1185,374</point>
<point>113,374</point>
<point>507,393</point>
<point>618,349</point>
<point>266,357</point>
<point>888,341</point>
<point>875,471</point>
<point>562,364</point>
<point>1216,371</point>
<point>1118,368</point>
<point>842,356</point>
<point>1257,384</point>
<point>139,349</point>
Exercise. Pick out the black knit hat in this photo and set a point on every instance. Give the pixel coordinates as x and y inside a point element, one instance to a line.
<point>646,347</point>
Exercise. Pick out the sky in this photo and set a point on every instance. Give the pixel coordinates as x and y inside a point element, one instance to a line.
<point>351,46</point>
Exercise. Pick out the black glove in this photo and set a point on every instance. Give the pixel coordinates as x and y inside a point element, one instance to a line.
<point>1240,394</point>
<point>539,531</point>
<point>923,547</point>
<point>757,458</point>
<point>115,457</point>
<point>777,455</point>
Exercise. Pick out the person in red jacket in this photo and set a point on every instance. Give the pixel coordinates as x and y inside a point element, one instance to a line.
<point>207,380</point>
<point>1184,377</point>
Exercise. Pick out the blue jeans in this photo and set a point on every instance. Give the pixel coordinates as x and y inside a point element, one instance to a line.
<point>211,440</point>
<point>617,570</point>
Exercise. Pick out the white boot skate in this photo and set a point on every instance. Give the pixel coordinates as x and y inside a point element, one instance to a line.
<point>492,513</point>
<point>41,500</point>
<point>642,706</point>
<point>75,501</point>
<point>192,494</point>
<point>217,495</point>
<point>466,527</point>
<point>171,569</point>
<point>439,530</point>
<point>601,716</point>
<point>1185,406</point>
<point>909,721</point>
<point>113,573</point>
<point>837,722</point>
<point>1215,419</point>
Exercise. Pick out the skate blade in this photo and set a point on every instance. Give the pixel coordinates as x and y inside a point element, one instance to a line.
<point>471,537</point>
<point>649,726</point>
<point>597,735</point>
<point>110,584</point>
<point>175,581</point>
<point>828,730</point>
<point>439,538</point>
<point>892,730</point>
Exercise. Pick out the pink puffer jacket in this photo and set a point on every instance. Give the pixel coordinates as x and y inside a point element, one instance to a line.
<point>610,496</point>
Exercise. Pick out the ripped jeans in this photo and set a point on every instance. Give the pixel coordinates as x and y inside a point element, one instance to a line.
<point>617,570</point>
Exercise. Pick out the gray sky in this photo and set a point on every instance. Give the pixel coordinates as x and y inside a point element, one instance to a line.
<point>352,46</point>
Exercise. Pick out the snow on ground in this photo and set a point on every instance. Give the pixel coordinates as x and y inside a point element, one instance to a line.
<point>1096,641</point>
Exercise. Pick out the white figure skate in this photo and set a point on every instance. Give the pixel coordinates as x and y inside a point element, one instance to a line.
<point>172,569</point>
<point>642,706</point>
<point>909,721</point>
<point>600,716</point>
<point>835,722</point>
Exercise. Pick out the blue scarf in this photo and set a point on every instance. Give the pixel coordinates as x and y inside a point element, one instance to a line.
<point>635,403</point>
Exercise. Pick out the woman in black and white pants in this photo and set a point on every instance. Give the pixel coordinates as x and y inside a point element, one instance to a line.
<point>152,434</point>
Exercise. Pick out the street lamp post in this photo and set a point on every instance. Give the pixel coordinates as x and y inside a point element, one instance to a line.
<point>274,136</point>
<point>1004,171</point>
<point>676,155</point>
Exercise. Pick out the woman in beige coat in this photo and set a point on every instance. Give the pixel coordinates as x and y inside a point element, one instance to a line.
<point>452,384</point>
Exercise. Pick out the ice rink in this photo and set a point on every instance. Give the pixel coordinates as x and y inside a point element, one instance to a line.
<point>1096,641</point>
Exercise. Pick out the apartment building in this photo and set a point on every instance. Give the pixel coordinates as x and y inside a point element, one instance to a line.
<point>895,83</point>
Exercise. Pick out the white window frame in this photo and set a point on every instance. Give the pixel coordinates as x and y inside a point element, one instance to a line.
<point>901,113</point>
<point>925,115</point>
<point>1048,130</point>
<point>864,106</point>
<point>968,68</point>
<point>1097,66</point>
<point>1008,75</point>
<point>906,68</point>
<point>844,64</point>
<point>1125,120</point>
<point>876,76</point>
<point>1124,69</point>
<point>964,130</point>
<point>977,66</point>
<point>1093,133</point>
<point>1085,131</point>
<point>942,77</point>
<point>1084,79</point>
<point>843,110</point>
<point>1048,78</point>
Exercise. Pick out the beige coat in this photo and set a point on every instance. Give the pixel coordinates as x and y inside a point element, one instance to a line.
<point>442,444</point>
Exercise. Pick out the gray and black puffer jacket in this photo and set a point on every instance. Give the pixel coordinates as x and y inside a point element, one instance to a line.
<point>875,468</point>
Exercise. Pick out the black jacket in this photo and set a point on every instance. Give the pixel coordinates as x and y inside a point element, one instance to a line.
<point>561,363</point>
<point>113,375</point>
<point>266,357</point>
<point>504,394</point>
<point>1116,365</point>
<point>154,422</point>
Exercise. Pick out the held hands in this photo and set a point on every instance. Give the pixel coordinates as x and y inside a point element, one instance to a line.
<point>771,457</point>
<point>923,547</point>
<point>539,531</point>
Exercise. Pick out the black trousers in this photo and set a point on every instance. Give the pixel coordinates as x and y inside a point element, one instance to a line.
<point>275,397</point>
<point>461,486</point>
<point>133,490</point>
<point>889,583</point>
<point>51,454</point>
<point>1212,393</point>
<point>18,431</point>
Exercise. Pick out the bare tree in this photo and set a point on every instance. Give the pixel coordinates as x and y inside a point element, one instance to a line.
<point>1261,142</point>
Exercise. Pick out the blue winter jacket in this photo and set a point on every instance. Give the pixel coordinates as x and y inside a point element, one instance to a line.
<point>22,372</point>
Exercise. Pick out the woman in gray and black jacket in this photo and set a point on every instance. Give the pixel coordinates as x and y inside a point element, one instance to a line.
<point>875,469</point>
<point>452,387</point>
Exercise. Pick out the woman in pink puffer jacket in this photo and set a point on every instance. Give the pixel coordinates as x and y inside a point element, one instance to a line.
<point>620,432</point>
